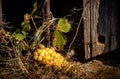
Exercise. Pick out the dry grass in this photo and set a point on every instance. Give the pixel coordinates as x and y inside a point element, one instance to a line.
<point>18,63</point>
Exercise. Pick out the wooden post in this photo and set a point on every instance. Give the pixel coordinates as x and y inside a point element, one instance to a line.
<point>91,15</point>
<point>0,13</point>
<point>48,17</point>
<point>48,10</point>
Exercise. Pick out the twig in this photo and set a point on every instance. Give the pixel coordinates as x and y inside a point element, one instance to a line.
<point>34,23</point>
<point>76,30</point>
<point>22,66</point>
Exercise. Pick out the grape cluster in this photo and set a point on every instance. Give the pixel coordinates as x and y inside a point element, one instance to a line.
<point>49,57</point>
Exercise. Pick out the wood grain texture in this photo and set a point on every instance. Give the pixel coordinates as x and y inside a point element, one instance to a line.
<point>99,25</point>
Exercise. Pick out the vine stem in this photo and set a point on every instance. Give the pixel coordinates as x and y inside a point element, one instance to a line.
<point>34,23</point>
<point>80,20</point>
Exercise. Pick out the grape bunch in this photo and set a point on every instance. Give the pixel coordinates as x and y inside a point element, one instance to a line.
<point>49,57</point>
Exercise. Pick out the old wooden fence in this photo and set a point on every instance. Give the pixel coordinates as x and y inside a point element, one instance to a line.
<point>100,27</point>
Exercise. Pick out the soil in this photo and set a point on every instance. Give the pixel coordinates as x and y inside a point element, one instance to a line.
<point>106,66</point>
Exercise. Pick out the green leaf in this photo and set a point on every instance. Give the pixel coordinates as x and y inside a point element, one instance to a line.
<point>24,33</point>
<point>59,40</point>
<point>17,31</point>
<point>19,35</point>
<point>63,25</point>
<point>22,24</point>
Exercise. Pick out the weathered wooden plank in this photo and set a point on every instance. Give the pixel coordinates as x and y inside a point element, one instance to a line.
<point>107,24</point>
<point>100,27</point>
<point>86,18</point>
<point>113,26</point>
<point>103,27</point>
<point>97,47</point>
<point>91,14</point>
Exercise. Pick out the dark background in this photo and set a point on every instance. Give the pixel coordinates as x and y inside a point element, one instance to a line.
<point>14,10</point>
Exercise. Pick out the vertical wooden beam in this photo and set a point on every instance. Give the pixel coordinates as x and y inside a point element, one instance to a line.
<point>86,18</point>
<point>48,10</point>
<point>91,14</point>
<point>48,17</point>
<point>97,47</point>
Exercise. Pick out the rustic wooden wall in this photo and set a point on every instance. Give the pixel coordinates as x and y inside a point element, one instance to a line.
<point>92,46</point>
<point>99,27</point>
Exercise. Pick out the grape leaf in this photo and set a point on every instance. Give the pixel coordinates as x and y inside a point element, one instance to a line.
<point>19,35</point>
<point>59,40</point>
<point>63,25</point>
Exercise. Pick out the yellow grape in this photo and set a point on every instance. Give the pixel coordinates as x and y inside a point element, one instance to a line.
<point>39,50</point>
<point>35,57</point>
<point>42,54</point>
<point>47,62</point>
<point>43,51</point>
<point>39,53</point>
<point>51,58</point>
<point>61,60</point>
<point>47,49</point>
<point>57,55</point>
<point>61,57</point>
<point>46,53</point>
<point>40,58</point>
<point>47,57</point>
<point>53,54</point>
<point>35,53</point>
<point>50,51</point>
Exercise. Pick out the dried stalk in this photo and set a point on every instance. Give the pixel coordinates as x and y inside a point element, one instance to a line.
<point>77,29</point>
